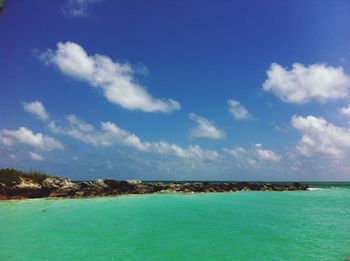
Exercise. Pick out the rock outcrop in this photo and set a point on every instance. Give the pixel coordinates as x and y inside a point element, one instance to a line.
<point>27,184</point>
<point>55,187</point>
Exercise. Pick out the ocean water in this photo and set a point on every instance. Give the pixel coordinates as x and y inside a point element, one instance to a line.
<point>302,225</point>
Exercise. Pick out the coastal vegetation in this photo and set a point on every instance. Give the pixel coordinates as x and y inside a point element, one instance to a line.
<point>11,177</point>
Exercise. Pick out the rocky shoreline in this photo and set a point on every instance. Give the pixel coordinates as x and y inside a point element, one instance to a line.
<point>55,187</point>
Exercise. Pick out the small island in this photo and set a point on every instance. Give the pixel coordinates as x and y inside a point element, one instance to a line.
<point>16,184</point>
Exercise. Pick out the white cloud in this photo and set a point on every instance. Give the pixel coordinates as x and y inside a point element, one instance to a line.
<point>236,152</point>
<point>302,84</point>
<point>238,111</point>
<point>205,128</point>
<point>36,108</point>
<point>26,136</point>
<point>36,156</point>
<point>345,111</point>
<point>191,152</point>
<point>77,8</point>
<point>75,122</point>
<point>110,134</point>
<point>268,155</point>
<point>255,157</point>
<point>321,137</point>
<point>116,79</point>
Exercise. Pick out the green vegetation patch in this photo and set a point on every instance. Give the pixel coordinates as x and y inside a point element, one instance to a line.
<point>11,177</point>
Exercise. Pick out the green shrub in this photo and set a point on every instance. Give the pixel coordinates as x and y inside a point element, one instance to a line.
<point>37,177</point>
<point>12,177</point>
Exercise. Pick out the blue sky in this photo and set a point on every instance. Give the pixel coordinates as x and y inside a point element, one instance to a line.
<point>185,90</point>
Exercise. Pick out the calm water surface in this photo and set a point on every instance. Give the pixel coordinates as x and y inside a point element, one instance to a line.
<point>308,225</point>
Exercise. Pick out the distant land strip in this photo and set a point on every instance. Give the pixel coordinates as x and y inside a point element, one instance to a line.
<point>16,184</point>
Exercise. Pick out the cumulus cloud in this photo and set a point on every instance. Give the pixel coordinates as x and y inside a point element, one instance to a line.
<point>236,152</point>
<point>26,136</point>
<point>190,152</point>
<point>36,108</point>
<point>255,157</point>
<point>36,156</point>
<point>268,155</point>
<point>116,80</point>
<point>76,123</point>
<point>320,136</point>
<point>110,134</point>
<point>302,84</point>
<point>77,8</point>
<point>345,111</point>
<point>238,111</point>
<point>205,128</point>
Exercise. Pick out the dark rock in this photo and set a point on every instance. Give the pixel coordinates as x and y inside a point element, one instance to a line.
<point>85,185</point>
<point>57,187</point>
<point>100,183</point>
<point>79,193</point>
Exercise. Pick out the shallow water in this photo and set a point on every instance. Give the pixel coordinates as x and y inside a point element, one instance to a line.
<point>298,225</point>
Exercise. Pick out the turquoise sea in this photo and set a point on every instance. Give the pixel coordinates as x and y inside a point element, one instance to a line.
<point>302,225</point>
